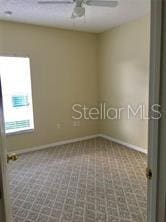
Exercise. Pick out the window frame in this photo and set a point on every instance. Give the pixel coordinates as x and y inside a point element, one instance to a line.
<point>23,131</point>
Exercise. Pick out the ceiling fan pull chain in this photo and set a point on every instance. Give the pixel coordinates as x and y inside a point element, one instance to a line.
<point>85,18</point>
<point>74,24</point>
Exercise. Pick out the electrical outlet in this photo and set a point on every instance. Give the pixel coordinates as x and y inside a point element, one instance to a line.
<point>76,123</point>
<point>58,125</point>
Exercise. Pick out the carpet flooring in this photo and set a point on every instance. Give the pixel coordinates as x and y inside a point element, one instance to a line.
<point>90,181</point>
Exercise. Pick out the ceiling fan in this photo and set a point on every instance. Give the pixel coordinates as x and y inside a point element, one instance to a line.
<point>79,9</point>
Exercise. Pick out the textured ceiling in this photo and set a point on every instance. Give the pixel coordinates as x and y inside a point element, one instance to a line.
<point>97,19</point>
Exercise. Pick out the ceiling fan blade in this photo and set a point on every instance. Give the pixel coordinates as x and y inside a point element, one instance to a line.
<point>54,2</point>
<point>101,3</point>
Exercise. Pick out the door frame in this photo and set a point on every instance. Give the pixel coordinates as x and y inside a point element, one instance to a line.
<point>155,94</point>
<point>161,182</point>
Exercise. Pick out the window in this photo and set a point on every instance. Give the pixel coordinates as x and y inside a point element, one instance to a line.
<point>17,95</point>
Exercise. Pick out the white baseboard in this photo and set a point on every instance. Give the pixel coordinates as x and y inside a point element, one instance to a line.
<point>134,147</point>
<point>131,146</point>
<point>55,144</point>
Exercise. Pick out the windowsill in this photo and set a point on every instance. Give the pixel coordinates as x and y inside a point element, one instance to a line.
<point>20,132</point>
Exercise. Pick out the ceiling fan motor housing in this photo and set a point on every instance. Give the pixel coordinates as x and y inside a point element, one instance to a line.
<point>79,11</point>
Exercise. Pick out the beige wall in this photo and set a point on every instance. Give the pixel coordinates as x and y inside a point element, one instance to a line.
<point>124,76</point>
<point>63,71</point>
<point>70,67</point>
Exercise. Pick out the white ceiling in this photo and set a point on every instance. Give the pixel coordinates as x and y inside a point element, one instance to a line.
<point>98,19</point>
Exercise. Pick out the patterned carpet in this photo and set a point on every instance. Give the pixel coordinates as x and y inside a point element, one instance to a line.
<point>90,181</point>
